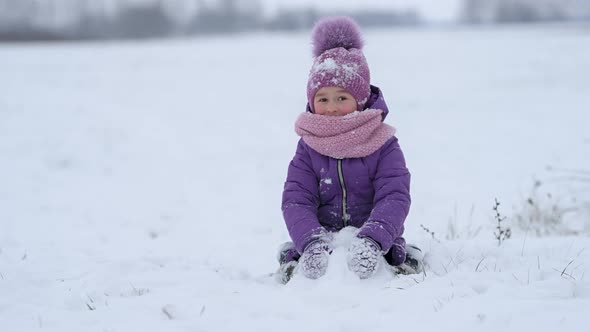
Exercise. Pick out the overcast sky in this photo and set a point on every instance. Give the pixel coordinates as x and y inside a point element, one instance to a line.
<point>439,10</point>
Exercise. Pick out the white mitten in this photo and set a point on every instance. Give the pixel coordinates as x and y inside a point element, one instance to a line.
<point>363,257</point>
<point>314,260</point>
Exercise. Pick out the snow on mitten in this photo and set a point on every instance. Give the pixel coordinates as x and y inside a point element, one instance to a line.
<point>363,257</point>
<point>314,260</point>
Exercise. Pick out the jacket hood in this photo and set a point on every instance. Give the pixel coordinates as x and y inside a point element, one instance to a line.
<point>376,101</point>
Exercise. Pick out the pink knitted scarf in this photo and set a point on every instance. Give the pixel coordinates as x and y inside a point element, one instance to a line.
<point>355,135</point>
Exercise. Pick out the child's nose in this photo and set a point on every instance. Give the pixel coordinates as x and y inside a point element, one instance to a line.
<point>332,107</point>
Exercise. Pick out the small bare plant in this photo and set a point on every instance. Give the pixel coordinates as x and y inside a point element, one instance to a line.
<point>138,291</point>
<point>429,232</point>
<point>502,232</point>
<point>557,206</point>
<point>467,231</point>
<point>90,304</point>
<point>166,310</point>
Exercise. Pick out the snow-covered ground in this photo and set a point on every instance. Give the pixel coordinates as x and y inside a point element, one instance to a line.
<point>140,183</point>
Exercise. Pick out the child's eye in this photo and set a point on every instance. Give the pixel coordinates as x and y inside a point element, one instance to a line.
<point>322,100</point>
<point>342,98</point>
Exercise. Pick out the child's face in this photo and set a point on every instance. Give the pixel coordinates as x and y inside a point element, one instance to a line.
<point>333,101</point>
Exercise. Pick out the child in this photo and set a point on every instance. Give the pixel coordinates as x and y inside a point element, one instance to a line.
<point>348,169</point>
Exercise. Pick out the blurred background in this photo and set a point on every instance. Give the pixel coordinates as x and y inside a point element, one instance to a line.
<point>125,19</point>
<point>144,144</point>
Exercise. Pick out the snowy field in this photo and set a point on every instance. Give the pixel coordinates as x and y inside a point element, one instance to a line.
<point>140,184</point>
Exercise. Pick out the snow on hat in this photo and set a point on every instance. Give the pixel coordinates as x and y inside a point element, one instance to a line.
<point>338,60</point>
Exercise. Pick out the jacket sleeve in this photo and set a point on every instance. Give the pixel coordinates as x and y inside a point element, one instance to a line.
<point>301,200</point>
<point>392,197</point>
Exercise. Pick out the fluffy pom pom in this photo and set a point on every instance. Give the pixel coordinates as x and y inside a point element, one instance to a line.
<point>335,32</point>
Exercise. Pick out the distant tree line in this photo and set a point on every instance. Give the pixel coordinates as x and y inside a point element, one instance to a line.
<point>513,11</point>
<point>118,19</point>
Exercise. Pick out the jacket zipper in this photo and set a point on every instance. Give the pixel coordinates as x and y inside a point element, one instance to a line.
<point>343,186</point>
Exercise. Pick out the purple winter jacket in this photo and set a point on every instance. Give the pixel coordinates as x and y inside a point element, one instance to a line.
<point>326,194</point>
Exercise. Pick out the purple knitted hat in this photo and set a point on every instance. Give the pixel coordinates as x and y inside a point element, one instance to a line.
<point>338,60</point>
